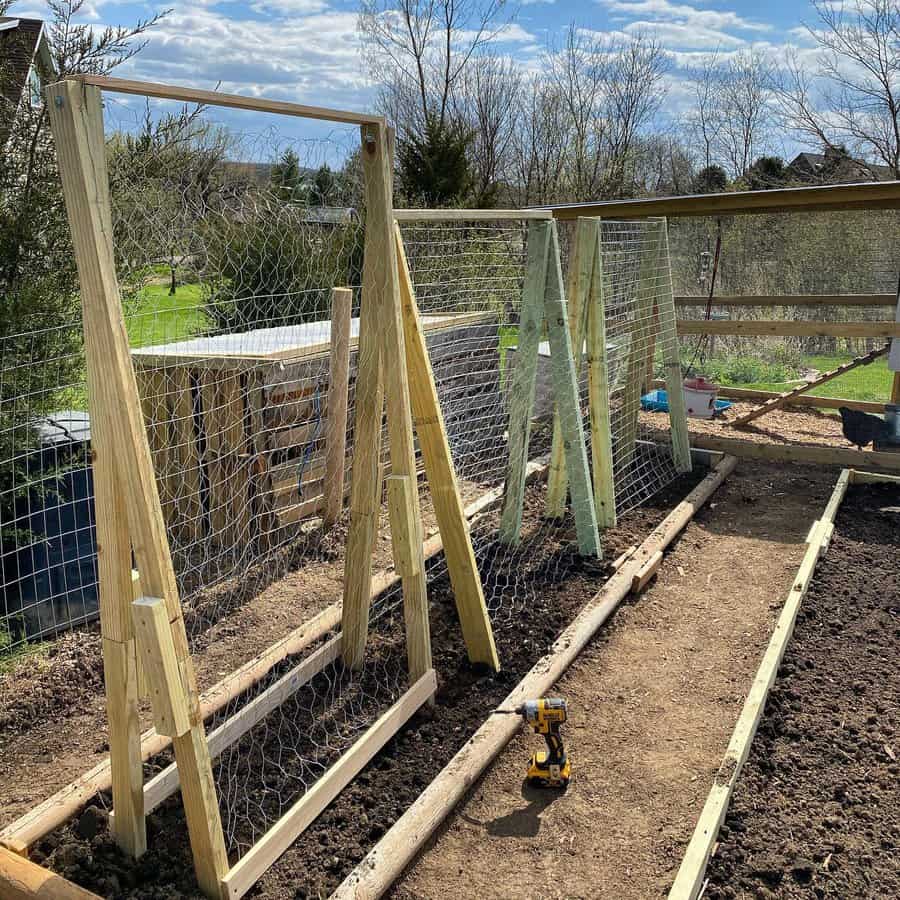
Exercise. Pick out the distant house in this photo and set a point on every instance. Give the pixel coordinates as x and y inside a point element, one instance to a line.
<point>834,167</point>
<point>25,65</point>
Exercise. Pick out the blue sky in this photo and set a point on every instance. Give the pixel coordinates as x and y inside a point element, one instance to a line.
<point>308,50</point>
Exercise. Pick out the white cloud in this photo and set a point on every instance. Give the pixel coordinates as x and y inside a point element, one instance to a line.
<point>658,13</point>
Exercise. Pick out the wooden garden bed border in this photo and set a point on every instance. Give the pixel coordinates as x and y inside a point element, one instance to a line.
<point>392,854</point>
<point>689,882</point>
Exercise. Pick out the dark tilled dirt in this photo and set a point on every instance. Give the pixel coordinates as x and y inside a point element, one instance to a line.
<point>816,812</point>
<point>340,837</point>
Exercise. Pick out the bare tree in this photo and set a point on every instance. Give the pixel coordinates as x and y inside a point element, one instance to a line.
<point>852,96</point>
<point>487,102</point>
<point>420,49</point>
<point>704,120</point>
<point>745,112</point>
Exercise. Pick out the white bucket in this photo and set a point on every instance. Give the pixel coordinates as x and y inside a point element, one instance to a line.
<point>700,398</point>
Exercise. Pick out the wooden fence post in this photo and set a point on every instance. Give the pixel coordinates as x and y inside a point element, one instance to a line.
<point>381,315</point>
<point>521,402</point>
<point>568,404</point>
<point>448,506</point>
<point>338,386</point>
<point>668,329</point>
<point>598,384</point>
<point>76,118</point>
<point>580,260</point>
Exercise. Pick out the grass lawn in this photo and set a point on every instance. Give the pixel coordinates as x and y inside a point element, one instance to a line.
<point>158,318</point>
<point>871,382</point>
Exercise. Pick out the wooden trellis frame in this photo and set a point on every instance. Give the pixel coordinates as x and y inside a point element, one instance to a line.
<point>150,627</point>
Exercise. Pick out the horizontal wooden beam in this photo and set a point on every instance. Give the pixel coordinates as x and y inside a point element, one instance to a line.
<point>792,300</point>
<point>839,197</point>
<point>736,393</point>
<point>470,215</point>
<point>251,866</point>
<point>789,328</point>
<point>799,453</point>
<point>689,880</point>
<point>232,101</point>
<point>24,880</point>
<point>858,477</point>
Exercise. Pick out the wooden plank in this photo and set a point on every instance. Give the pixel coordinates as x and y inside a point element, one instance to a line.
<point>598,384</point>
<point>218,98</point>
<point>338,398</point>
<point>24,880</point>
<point>646,572</point>
<point>895,388</point>
<point>789,328</point>
<point>471,215</point>
<point>681,447</point>
<point>166,782</point>
<point>581,260</point>
<point>859,477</point>
<point>77,122</point>
<point>241,877</point>
<point>875,195</point>
<point>400,490</point>
<point>800,453</point>
<point>782,399</point>
<point>568,404</point>
<point>430,428</point>
<point>688,882</point>
<point>157,652</point>
<point>791,300</point>
<point>736,393</point>
<point>521,398</point>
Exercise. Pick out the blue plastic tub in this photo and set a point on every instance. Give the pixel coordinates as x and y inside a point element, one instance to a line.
<point>658,401</point>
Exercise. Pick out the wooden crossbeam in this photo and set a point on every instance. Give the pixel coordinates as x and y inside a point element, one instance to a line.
<point>791,300</point>
<point>788,396</point>
<point>789,328</point>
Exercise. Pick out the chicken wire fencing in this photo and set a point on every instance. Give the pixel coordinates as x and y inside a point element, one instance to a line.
<point>229,245</point>
<point>790,253</point>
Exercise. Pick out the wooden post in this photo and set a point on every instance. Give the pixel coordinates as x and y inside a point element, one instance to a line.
<point>568,404</point>
<point>77,121</point>
<point>381,375</point>
<point>598,383</point>
<point>338,386</point>
<point>521,400</point>
<point>681,447</point>
<point>448,507</point>
<point>580,261</point>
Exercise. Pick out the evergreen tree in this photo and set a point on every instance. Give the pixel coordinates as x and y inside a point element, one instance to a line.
<point>287,177</point>
<point>434,167</point>
<point>711,180</point>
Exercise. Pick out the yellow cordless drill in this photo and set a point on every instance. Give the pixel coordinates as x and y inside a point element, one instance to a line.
<point>550,767</point>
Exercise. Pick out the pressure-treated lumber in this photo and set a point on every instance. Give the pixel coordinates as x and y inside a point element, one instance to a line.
<point>39,821</point>
<point>217,98</point>
<point>646,572</point>
<point>338,387</point>
<point>581,263</point>
<point>568,404</point>
<point>428,419</point>
<point>521,402</point>
<point>400,489</point>
<point>470,215</point>
<point>277,839</point>
<point>859,477</point>
<point>870,195</point>
<point>782,399</point>
<point>789,328</point>
<point>688,881</point>
<point>393,853</point>
<point>24,880</point>
<point>800,453</point>
<point>77,121</point>
<point>792,300</point>
<point>157,653</point>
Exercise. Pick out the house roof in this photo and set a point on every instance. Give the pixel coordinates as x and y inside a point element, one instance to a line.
<point>846,169</point>
<point>19,42</point>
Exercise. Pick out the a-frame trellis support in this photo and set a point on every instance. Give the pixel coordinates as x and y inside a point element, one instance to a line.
<point>543,299</point>
<point>129,509</point>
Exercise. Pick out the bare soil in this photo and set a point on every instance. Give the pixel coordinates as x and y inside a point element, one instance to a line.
<point>816,812</point>
<point>652,704</point>
<point>327,851</point>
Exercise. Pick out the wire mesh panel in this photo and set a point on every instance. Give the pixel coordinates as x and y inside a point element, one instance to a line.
<point>636,283</point>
